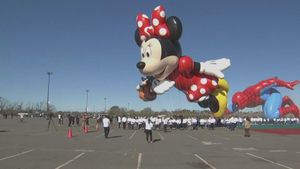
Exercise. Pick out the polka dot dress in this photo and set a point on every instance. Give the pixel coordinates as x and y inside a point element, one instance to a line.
<point>196,86</point>
<point>199,88</point>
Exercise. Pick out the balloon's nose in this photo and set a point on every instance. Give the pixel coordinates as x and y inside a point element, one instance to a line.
<point>140,65</point>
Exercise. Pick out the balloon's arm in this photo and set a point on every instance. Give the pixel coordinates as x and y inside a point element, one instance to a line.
<point>197,66</point>
<point>162,87</point>
<point>213,67</point>
<point>145,81</point>
<point>186,66</point>
<point>145,90</point>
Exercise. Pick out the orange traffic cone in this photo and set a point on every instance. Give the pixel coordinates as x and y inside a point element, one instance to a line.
<point>86,129</point>
<point>70,134</point>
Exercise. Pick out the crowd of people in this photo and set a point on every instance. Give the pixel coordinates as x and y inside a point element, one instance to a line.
<point>161,122</point>
<point>167,123</point>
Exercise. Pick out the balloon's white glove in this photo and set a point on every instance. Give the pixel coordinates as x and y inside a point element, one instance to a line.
<point>162,87</point>
<point>143,83</point>
<point>214,67</point>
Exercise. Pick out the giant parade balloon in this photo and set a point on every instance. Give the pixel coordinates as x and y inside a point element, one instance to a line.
<point>264,93</point>
<point>163,65</point>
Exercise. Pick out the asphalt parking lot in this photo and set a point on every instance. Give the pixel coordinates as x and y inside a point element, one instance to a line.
<point>29,145</point>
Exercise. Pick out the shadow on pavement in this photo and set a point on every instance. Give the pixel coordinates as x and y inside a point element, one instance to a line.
<point>156,140</point>
<point>4,131</point>
<point>109,137</point>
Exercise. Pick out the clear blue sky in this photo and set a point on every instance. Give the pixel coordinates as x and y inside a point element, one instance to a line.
<point>90,45</point>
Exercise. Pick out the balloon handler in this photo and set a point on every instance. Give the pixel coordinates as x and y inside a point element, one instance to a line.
<point>163,65</point>
<point>264,93</point>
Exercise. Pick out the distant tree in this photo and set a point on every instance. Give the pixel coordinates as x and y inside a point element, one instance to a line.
<point>19,107</point>
<point>40,107</point>
<point>3,104</point>
<point>52,108</point>
<point>12,108</point>
<point>116,111</point>
<point>147,112</point>
<point>30,108</point>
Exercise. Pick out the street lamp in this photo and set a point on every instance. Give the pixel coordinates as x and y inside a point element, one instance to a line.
<point>87,99</point>
<point>49,74</point>
<point>105,104</point>
<point>48,113</point>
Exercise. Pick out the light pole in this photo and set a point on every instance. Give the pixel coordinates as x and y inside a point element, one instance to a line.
<point>49,74</point>
<point>105,104</point>
<point>48,113</point>
<point>87,99</point>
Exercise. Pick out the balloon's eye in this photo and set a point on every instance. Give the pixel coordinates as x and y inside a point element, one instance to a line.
<point>148,51</point>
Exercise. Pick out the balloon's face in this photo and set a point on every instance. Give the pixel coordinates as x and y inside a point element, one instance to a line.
<point>239,100</point>
<point>152,63</point>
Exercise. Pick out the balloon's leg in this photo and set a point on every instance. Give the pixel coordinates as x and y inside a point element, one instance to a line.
<point>272,105</point>
<point>288,106</point>
<point>221,97</point>
<point>223,85</point>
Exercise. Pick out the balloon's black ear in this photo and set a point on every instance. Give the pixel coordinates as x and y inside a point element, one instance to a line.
<point>137,37</point>
<point>175,27</point>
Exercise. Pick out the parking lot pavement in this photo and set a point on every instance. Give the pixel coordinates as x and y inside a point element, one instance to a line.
<point>29,145</point>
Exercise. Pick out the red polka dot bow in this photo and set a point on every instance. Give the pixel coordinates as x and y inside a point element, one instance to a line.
<point>159,26</point>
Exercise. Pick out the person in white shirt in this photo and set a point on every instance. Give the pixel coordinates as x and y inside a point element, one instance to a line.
<point>139,122</point>
<point>178,122</point>
<point>133,121</point>
<point>119,121</point>
<point>148,130</point>
<point>165,122</point>
<point>59,119</point>
<point>21,117</point>
<point>194,123</point>
<point>202,123</point>
<point>106,123</point>
<point>211,123</point>
<point>129,122</point>
<point>124,119</point>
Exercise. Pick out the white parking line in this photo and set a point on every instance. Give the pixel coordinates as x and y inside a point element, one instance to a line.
<point>16,155</point>
<point>272,162</point>
<point>207,143</point>
<point>192,137</point>
<point>82,150</point>
<point>205,162</point>
<point>244,149</point>
<point>68,162</point>
<point>139,161</point>
<point>278,151</point>
<point>161,137</point>
<point>132,135</point>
